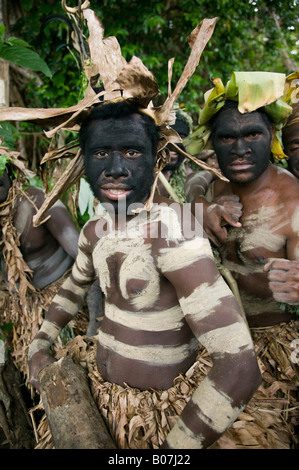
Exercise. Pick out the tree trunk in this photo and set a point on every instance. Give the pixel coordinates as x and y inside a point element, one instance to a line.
<point>73,417</point>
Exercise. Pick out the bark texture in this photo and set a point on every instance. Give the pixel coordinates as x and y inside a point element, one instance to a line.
<point>15,423</point>
<point>73,417</point>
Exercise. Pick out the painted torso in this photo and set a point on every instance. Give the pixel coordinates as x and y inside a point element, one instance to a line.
<point>141,305</point>
<point>270,219</point>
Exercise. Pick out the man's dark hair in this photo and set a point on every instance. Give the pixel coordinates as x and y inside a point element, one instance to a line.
<point>119,110</point>
<point>230,104</point>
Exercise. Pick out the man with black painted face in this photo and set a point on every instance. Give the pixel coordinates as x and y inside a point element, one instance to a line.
<point>163,295</point>
<point>261,248</point>
<point>290,137</point>
<point>182,127</point>
<point>116,170</point>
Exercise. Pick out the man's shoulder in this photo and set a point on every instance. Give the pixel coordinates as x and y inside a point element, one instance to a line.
<point>288,184</point>
<point>36,194</point>
<point>31,199</point>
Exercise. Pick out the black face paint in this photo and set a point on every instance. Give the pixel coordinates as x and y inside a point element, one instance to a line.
<point>119,161</point>
<point>176,158</point>
<point>5,184</point>
<point>291,147</point>
<point>242,143</point>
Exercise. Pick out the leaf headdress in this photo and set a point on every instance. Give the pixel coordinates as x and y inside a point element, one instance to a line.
<point>119,80</point>
<point>252,90</point>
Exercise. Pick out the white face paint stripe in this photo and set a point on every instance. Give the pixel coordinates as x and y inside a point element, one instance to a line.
<point>231,339</point>
<point>165,320</point>
<point>208,399</point>
<point>204,299</point>
<point>181,437</point>
<point>187,253</point>
<point>155,354</point>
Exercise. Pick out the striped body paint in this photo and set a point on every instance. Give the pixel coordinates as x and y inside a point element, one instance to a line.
<point>163,297</point>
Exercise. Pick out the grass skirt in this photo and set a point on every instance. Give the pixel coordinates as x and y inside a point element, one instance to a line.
<point>142,419</point>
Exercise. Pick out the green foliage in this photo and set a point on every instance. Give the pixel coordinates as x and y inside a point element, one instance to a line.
<point>21,53</point>
<point>3,161</point>
<point>9,134</point>
<point>5,329</point>
<point>251,35</point>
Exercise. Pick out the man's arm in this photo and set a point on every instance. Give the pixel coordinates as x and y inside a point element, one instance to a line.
<point>221,211</point>
<point>215,318</point>
<point>62,310</point>
<point>62,227</point>
<point>283,273</point>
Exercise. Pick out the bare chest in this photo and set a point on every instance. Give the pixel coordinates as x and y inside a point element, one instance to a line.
<point>263,233</point>
<point>126,269</point>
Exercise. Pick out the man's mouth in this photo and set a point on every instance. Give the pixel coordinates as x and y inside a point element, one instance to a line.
<point>241,165</point>
<point>115,193</point>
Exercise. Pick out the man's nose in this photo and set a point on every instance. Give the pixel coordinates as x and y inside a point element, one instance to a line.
<point>240,147</point>
<point>116,167</point>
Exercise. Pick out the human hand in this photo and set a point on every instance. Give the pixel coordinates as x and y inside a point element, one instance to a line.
<point>225,210</point>
<point>39,361</point>
<point>283,277</point>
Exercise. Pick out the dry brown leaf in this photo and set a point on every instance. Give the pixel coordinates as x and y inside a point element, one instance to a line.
<point>198,40</point>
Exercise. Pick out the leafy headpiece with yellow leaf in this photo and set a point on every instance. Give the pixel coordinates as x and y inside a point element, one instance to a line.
<point>252,90</point>
<point>120,80</point>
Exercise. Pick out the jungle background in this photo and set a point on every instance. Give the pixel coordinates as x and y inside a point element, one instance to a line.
<point>41,68</point>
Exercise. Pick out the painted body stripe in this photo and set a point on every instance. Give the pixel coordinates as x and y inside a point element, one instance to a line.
<point>38,345</point>
<point>80,276</point>
<point>199,305</point>
<point>208,398</point>
<point>181,437</point>
<point>83,261</point>
<point>70,286</point>
<point>165,320</point>
<point>187,253</point>
<point>50,329</point>
<point>66,305</point>
<point>231,339</point>
<point>155,354</point>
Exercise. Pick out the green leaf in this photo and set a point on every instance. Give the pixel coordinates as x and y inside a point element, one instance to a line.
<point>3,162</point>
<point>12,41</point>
<point>24,57</point>
<point>86,199</point>
<point>36,182</point>
<point>9,134</point>
<point>2,34</point>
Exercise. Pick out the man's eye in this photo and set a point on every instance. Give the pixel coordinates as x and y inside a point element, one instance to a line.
<point>100,154</point>
<point>253,135</point>
<point>132,153</point>
<point>227,139</point>
<point>293,146</point>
